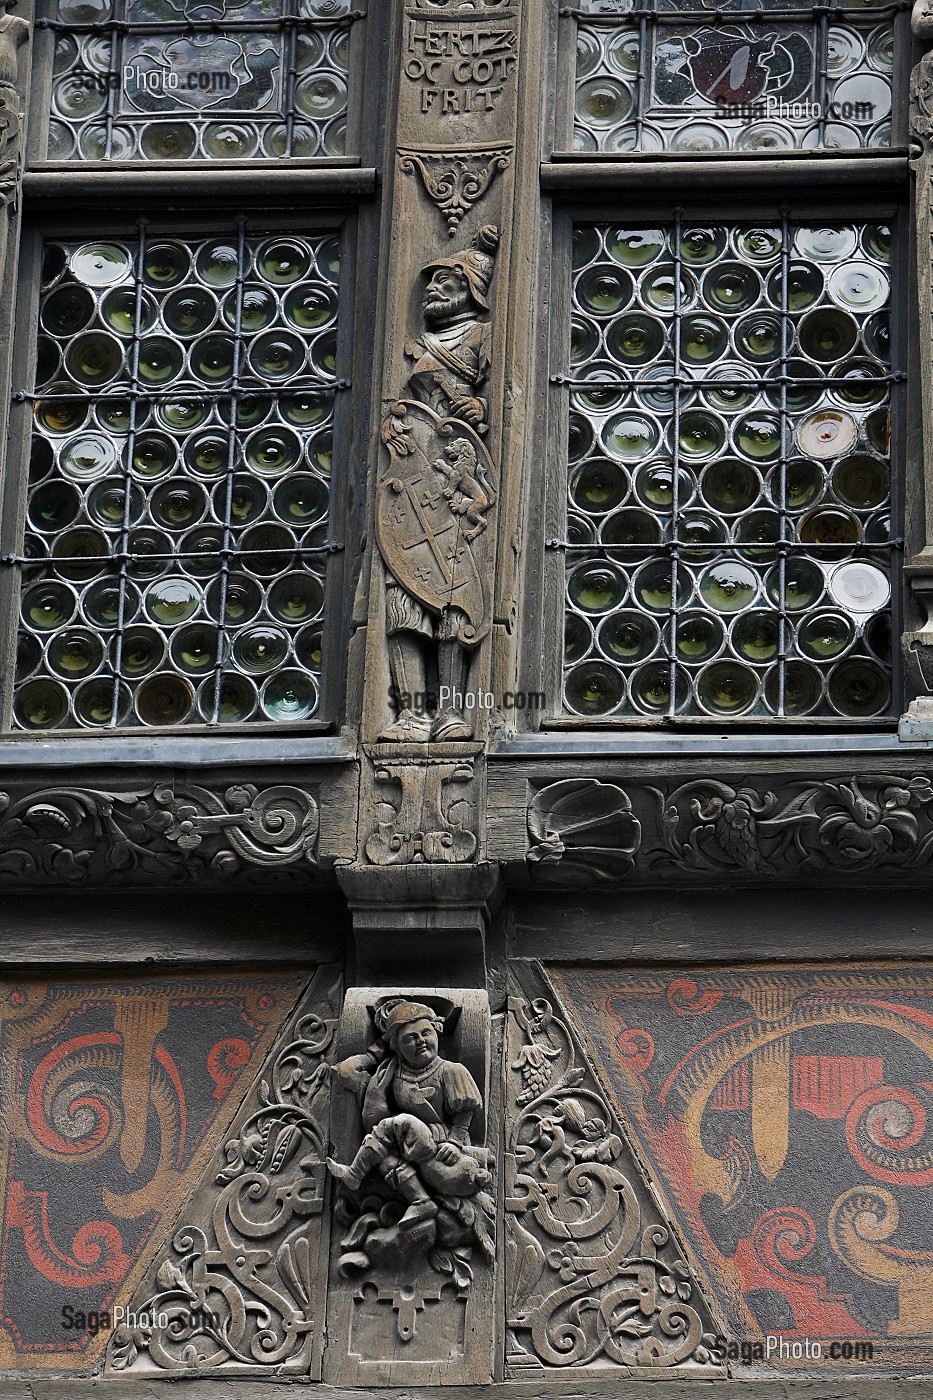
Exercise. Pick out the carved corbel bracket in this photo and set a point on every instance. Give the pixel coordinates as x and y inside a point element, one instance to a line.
<point>425,812</point>
<point>411,1276</point>
<point>456,179</point>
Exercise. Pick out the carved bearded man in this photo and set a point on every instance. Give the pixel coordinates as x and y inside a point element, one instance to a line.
<point>449,373</point>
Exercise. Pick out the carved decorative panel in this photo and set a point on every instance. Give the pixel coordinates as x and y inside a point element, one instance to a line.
<point>875,826</point>
<point>239,1288</point>
<point>113,1093</point>
<point>597,1276</point>
<point>411,1259</point>
<point>786,1115</point>
<point>74,835</point>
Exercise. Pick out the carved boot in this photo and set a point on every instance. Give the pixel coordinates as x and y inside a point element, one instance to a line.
<point>349,1176</point>
<point>406,662</point>
<point>409,728</point>
<point>408,1184</point>
<point>450,724</point>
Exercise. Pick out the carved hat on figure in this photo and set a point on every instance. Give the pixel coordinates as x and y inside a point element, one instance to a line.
<point>393,1016</point>
<point>476,264</point>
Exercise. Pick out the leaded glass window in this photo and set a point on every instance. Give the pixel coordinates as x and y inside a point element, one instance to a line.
<point>167,80</point>
<point>173,568</point>
<point>729,541</point>
<point>703,76</point>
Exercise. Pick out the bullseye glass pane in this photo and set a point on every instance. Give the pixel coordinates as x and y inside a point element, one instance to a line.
<point>730,452</point>
<point>180,485</point>
<point>180,80</point>
<point>697,76</point>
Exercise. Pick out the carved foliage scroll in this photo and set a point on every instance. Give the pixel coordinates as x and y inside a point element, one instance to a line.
<point>240,1288</point>
<point>455,181</point>
<point>69,835</point>
<point>878,823</point>
<point>596,1275</point>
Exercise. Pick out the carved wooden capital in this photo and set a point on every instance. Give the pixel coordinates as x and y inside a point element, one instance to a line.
<point>456,181</point>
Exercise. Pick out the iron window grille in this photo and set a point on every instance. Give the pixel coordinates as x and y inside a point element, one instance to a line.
<point>729,481</point>
<point>654,76</point>
<point>172,558</point>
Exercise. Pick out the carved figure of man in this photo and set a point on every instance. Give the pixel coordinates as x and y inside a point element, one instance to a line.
<point>417,1109</point>
<point>450,371</point>
<point>13,33</point>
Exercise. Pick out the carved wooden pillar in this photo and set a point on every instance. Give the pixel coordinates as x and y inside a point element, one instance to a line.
<point>14,34</point>
<point>918,643</point>
<point>412,1284</point>
<point>444,475</point>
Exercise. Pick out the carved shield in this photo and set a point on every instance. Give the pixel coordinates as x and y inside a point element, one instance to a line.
<point>728,68</point>
<point>424,541</point>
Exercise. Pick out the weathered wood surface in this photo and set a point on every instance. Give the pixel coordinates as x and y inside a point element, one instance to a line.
<point>577,1388</point>
<point>719,926</point>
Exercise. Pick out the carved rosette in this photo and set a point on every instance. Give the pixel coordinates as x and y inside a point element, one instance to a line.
<point>595,1272</point>
<point>456,180</point>
<point>69,835</point>
<point>240,1288</point>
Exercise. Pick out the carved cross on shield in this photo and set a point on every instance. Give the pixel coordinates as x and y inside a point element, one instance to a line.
<point>424,542</point>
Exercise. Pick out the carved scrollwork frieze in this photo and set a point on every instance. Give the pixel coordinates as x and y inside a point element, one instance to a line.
<point>595,1273</point>
<point>239,1289</point>
<point>879,824</point>
<point>69,835</point>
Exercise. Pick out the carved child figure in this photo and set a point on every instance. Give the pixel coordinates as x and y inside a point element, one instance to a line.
<point>417,1109</point>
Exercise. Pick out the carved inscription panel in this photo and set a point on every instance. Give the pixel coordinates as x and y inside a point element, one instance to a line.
<point>459,74</point>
